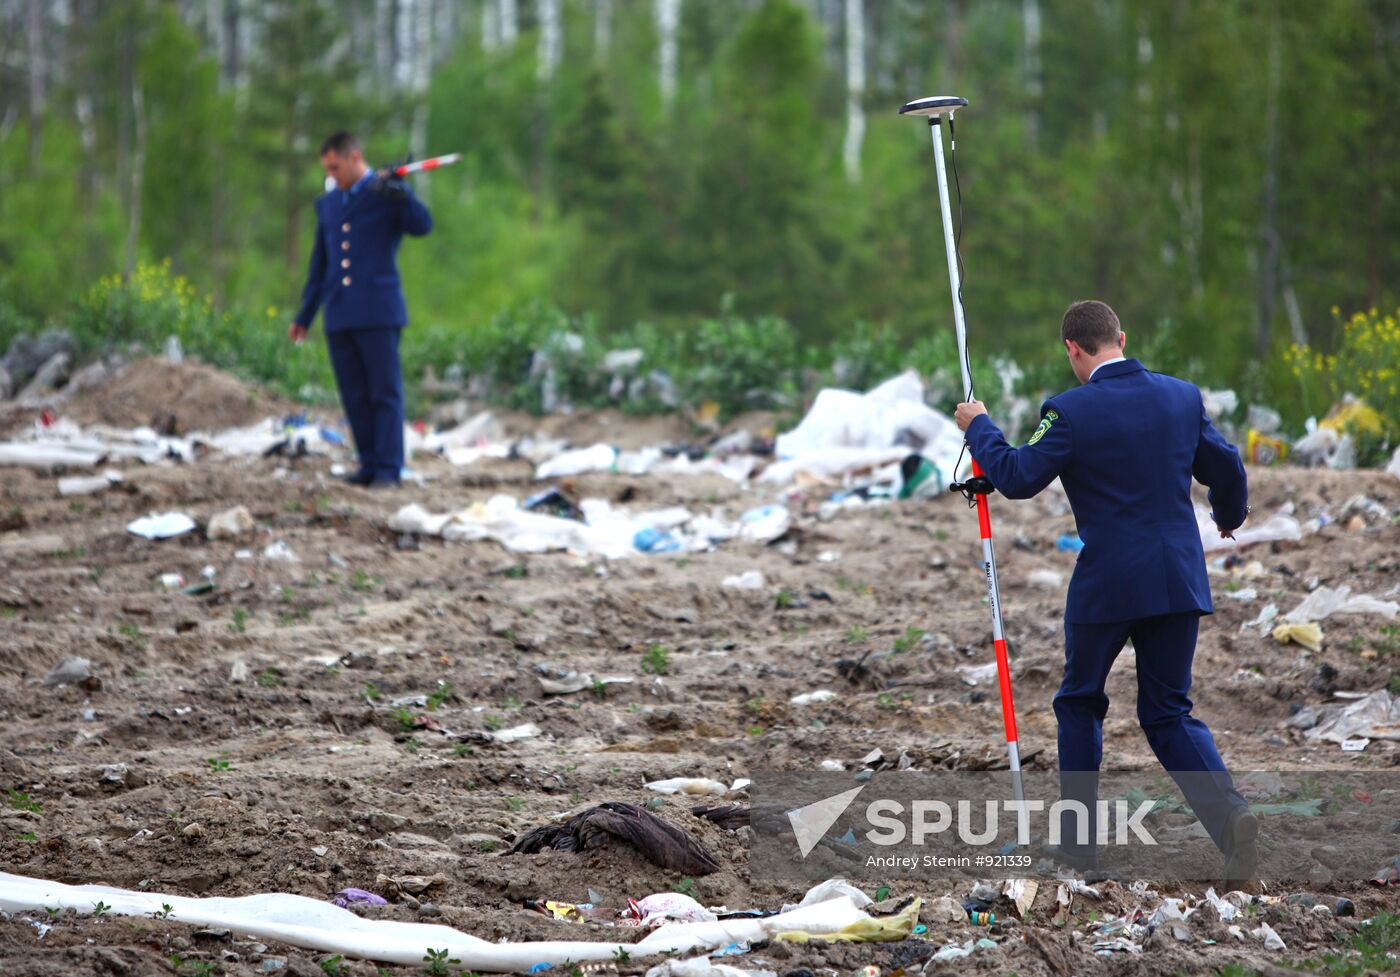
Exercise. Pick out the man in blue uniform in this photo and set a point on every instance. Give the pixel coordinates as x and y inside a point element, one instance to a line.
<point>1125,446</point>
<point>354,275</point>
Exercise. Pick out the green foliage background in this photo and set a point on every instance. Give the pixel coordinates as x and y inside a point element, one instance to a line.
<point>1133,159</point>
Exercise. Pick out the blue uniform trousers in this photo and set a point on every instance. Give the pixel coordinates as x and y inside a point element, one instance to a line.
<point>1165,646</point>
<point>366,364</point>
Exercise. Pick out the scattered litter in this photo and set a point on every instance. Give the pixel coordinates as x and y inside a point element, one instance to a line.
<point>1389,873</point>
<point>346,898</point>
<point>765,523</point>
<point>564,682</point>
<point>809,698</point>
<point>877,929</point>
<point>1308,635</point>
<point>555,503</point>
<point>1280,526</point>
<point>1047,579</point>
<point>88,484</point>
<point>845,431</point>
<point>281,552</point>
<point>1022,893</point>
<point>1377,716</point>
<point>1069,543</point>
<point>514,734</point>
<point>1325,601</point>
<point>230,524</point>
<point>1272,941</point>
<point>666,905</point>
<point>162,525</point>
<point>748,580</point>
<point>600,457</point>
<point>70,671</point>
<point>687,785</point>
<point>659,841</point>
<point>1223,909</point>
<point>830,889</point>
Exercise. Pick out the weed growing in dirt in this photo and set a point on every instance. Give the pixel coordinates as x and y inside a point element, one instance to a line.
<point>334,966</point>
<point>784,600</point>
<point>362,581</point>
<point>461,750</point>
<point>516,804</point>
<point>219,762</point>
<point>371,692</point>
<point>21,801</point>
<point>856,634</point>
<point>685,887</point>
<point>268,678</point>
<point>621,955</point>
<point>441,694</point>
<point>910,638</point>
<point>412,745</point>
<point>492,722</point>
<point>29,836</point>
<point>165,912</point>
<point>191,968</point>
<point>656,660</point>
<point>134,633</point>
<point>1371,951</point>
<point>239,624</point>
<point>100,908</point>
<point>405,717</point>
<point>437,961</point>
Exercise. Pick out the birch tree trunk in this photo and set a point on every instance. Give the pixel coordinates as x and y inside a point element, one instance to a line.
<point>602,29</point>
<point>855,88</point>
<point>35,35</point>
<point>668,19</point>
<point>550,43</point>
<point>490,26</point>
<point>1030,22</point>
<point>508,19</point>
<point>138,166</point>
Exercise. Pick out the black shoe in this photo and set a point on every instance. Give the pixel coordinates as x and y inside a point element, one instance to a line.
<point>1085,862</point>
<point>361,477</point>
<point>379,484</point>
<point>1241,852</point>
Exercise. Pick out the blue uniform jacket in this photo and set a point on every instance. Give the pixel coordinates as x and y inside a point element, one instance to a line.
<point>353,270</point>
<point>1125,446</point>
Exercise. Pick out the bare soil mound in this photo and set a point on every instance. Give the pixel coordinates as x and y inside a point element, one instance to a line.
<point>175,398</point>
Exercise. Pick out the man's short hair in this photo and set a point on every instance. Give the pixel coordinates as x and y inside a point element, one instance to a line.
<point>1091,324</point>
<point>341,143</point>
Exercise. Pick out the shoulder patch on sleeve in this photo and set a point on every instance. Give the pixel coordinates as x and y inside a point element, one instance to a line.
<point>1050,418</point>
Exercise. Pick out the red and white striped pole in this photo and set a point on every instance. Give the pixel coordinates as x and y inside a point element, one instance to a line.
<point>935,108</point>
<point>405,169</point>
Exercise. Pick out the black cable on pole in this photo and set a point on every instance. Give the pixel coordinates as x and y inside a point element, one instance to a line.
<point>957,252</point>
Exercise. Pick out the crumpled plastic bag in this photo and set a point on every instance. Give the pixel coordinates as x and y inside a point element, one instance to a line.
<point>830,889</point>
<point>876,929</point>
<point>1325,601</point>
<point>1308,635</point>
<point>1375,717</point>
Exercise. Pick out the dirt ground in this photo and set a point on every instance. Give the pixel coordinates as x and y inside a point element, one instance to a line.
<point>302,779</point>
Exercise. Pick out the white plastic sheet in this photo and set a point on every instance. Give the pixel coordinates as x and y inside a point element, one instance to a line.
<point>1325,601</point>
<point>161,525</point>
<point>1279,526</point>
<point>316,925</point>
<point>600,457</point>
<point>888,422</point>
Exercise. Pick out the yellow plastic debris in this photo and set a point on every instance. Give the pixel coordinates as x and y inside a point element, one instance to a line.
<point>876,929</point>
<point>1308,635</point>
<point>1355,415</point>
